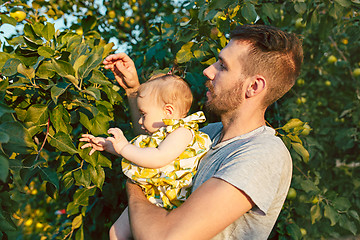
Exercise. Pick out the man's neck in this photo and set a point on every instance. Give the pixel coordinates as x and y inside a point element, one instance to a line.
<point>236,123</point>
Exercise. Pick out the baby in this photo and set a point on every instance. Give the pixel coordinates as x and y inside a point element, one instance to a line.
<point>164,162</point>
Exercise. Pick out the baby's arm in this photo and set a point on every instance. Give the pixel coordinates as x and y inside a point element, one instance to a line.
<point>167,151</point>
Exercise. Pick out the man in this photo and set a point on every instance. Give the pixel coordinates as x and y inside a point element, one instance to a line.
<point>242,182</point>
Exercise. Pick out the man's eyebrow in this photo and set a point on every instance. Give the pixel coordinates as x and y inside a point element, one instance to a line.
<point>221,59</point>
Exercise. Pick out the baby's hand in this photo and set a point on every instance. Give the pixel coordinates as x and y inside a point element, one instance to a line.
<point>118,140</point>
<point>97,143</point>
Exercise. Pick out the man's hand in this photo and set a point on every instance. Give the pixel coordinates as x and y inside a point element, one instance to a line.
<point>124,70</point>
<point>96,143</point>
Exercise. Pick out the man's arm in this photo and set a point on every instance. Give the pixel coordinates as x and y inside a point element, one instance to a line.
<point>208,211</point>
<point>125,74</point>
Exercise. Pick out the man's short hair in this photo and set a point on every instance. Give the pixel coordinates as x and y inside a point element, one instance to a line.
<point>273,53</point>
<point>168,89</point>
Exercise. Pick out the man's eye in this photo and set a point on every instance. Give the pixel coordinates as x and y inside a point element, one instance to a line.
<point>222,66</point>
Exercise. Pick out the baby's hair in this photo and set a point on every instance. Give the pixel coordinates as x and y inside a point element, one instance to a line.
<point>168,89</point>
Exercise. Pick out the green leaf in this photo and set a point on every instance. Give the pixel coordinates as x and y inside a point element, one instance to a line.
<point>30,33</point>
<point>10,67</point>
<point>48,31</point>
<point>315,213</point>
<point>97,175</point>
<point>72,208</point>
<point>64,69</point>
<point>78,63</point>
<point>104,161</point>
<point>3,58</point>
<point>81,196</point>
<point>293,230</point>
<point>354,214</point>
<point>6,223</point>
<point>269,11</point>
<point>7,19</point>
<point>99,78</point>
<point>299,149</point>
<point>248,12</point>
<point>309,186</point>
<point>344,3</point>
<point>220,4</point>
<point>77,222</point>
<point>88,23</point>
<point>345,223</point>
<point>45,70</point>
<point>63,142</point>
<point>94,92</point>
<point>300,7</point>
<point>31,43</point>
<point>51,190</point>
<point>57,90</point>
<point>28,72</point>
<point>82,177</point>
<point>100,124</point>
<point>331,214</point>
<point>91,63</point>
<point>80,234</point>
<point>67,180</point>
<point>60,118</point>
<point>341,203</point>
<point>292,123</point>
<point>4,109</point>
<point>4,137</point>
<point>84,120</point>
<point>18,136</point>
<point>185,54</point>
<point>37,114</point>
<point>49,175</point>
<point>47,52</point>
<point>4,168</point>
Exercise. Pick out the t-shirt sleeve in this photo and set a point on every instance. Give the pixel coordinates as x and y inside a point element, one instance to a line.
<point>256,168</point>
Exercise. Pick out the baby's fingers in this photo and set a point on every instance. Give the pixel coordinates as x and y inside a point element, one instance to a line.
<point>92,151</point>
<point>86,145</point>
<point>116,132</point>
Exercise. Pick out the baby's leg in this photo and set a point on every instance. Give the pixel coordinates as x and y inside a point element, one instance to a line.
<point>120,230</point>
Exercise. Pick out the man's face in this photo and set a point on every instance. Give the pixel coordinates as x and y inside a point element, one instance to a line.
<point>226,78</point>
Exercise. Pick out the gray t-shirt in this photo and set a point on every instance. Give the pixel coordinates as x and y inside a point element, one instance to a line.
<point>260,165</point>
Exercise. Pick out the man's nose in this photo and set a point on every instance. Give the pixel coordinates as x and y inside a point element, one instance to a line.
<point>209,72</point>
<point>140,120</point>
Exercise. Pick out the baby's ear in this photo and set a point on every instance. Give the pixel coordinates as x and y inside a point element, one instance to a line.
<point>169,109</point>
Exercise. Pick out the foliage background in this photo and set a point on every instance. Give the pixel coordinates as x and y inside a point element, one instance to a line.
<point>53,88</point>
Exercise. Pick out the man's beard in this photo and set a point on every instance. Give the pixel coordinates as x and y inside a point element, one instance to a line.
<point>224,102</point>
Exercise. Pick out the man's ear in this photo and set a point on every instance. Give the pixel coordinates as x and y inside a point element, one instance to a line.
<point>256,85</point>
<point>168,109</point>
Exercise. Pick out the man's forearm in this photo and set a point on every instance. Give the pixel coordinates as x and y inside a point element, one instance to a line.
<point>145,217</point>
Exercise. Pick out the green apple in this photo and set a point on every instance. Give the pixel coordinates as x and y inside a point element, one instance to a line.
<point>291,194</point>
<point>299,23</point>
<point>300,82</point>
<point>18,14</point>
<point>112,14</point>
<point>356,72</point>
<point>331,59</point>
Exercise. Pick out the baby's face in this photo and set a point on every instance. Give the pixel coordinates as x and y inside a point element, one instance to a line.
<point>151,114</point>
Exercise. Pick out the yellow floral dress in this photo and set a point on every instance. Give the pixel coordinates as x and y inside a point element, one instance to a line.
<point>169,186</point>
